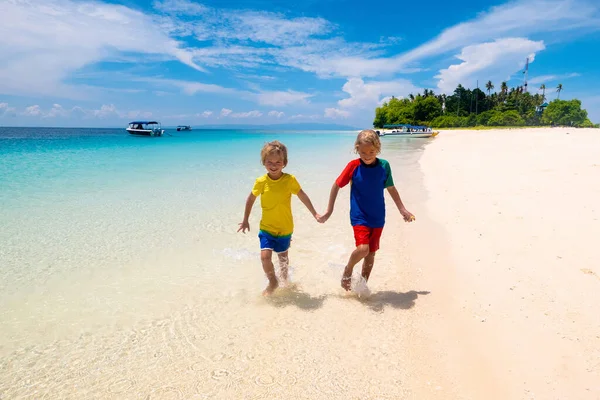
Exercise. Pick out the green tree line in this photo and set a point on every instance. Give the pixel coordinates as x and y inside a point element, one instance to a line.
<point>466,107</point>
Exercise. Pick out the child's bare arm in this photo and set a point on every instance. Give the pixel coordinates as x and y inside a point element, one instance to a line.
<point>249,203</point>
<point>332,196</point>
<point>408,216</point>
<point>306,201</point>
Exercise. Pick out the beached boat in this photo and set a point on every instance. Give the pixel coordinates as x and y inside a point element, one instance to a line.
<point>406,130</point>
<point>145,128</point>
<point>184,128</point>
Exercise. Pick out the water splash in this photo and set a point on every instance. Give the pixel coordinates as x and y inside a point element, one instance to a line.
<point>359,286</point>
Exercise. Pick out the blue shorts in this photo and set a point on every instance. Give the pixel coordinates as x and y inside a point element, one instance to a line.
<point>278,244</point>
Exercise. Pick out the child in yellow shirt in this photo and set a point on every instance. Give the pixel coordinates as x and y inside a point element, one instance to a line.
<point>277,224</point>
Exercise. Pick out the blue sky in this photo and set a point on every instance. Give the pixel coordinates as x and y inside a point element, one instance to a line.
<point>104,63</point>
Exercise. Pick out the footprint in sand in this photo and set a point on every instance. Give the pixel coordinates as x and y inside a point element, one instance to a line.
<point>589,272</point>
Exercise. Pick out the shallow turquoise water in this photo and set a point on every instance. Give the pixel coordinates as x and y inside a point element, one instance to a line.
<point>103,234</point>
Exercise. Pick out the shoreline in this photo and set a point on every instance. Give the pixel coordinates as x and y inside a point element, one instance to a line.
<point>514,279</point>
<point>490,128</point>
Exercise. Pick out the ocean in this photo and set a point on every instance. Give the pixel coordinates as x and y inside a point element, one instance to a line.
<point>122,274</point>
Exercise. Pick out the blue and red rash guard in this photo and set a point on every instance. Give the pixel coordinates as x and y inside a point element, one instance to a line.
<point>367,204</point>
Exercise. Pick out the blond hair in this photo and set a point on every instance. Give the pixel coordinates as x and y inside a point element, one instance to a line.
<point>274,147</point>
<point>368,136</point>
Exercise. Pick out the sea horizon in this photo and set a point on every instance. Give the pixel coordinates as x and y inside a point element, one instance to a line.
<point>301,126</point>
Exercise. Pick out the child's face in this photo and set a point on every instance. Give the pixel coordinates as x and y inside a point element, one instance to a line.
<point>367,152</point>
<point>274,166</point>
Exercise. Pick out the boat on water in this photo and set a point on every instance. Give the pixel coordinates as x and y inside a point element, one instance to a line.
<point>184,128</point>
<point>145,128</point>
<point>406,130</point>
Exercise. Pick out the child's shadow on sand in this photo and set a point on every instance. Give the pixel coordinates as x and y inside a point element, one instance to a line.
<point>379,300</point>
<point>294,296</point>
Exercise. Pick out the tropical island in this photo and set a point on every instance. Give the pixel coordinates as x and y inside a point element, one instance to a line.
<point>470,108</point>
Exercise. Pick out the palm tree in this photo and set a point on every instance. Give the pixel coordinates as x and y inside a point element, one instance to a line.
<point>559,89</point>
<point>489,86</point>
<point>543,89</point>
<point>503,92</point>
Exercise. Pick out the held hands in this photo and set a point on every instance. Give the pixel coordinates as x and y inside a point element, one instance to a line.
<point>323,218</point>
<point>243,226</point>
<point>408,216</point>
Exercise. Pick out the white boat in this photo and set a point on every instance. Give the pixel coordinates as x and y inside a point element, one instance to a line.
<point>145,128</point>
<point>413,131</point>
<point>184,128</point>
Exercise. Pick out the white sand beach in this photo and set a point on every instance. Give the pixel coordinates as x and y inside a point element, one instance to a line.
<point>513,311</point>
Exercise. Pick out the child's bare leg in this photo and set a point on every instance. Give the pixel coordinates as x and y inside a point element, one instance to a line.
<point>267,264</point>
<point>284,262</point>
<point>368,263</point>
<point>358,254</point>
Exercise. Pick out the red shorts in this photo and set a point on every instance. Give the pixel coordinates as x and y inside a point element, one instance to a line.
<point>366,235</point>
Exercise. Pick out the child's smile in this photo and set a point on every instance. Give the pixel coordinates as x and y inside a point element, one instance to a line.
<point>274,165</point>
<point>367,153</point>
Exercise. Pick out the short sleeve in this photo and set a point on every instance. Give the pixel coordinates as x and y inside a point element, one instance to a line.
<point>346,175</point>
<point>258,187</point>
<point>293,185</point>
<point>389,181</point>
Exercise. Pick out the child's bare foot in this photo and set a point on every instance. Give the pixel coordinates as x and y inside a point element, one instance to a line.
<point>270,288</point>
<point>346,281</point>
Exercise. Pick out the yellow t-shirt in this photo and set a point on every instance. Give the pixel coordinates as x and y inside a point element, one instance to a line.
<point>276,203</point>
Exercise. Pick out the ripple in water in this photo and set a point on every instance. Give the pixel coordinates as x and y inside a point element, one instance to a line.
<point>165,393</point>
<point>120,386</point>
<point>219,374</point>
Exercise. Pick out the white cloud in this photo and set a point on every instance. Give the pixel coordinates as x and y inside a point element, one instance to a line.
<point>32,111</point>
<point>56,111</point>
<point>247,77</point>
<point>232,56</point>
<point>335,113</point>
<point>304,117</point>
<point>257,26</point>
<point>78,112</point>
<point>204,114</point>
<point>268,98</point>
<point>42,44</point>
<point>335,57</point>
<point>552,78</point>
<point>368,95</point>
<point>107,110</point>
<point>276,114</point>
<point>190,87</point>
<point>5,110</point>
<point>180,7</point>
<point>488,61</point>
<point>225,112</point>
<point>517,18</point>
<point>280,98</point>
<point>249,114</point>
<point>520,18</point>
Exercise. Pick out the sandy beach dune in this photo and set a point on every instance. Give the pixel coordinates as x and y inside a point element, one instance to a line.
<point>514,310</point>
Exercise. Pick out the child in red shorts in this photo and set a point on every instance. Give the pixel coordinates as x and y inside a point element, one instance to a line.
<point>369,176</point>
